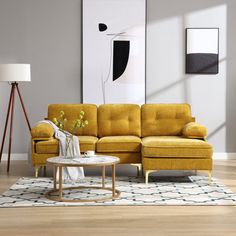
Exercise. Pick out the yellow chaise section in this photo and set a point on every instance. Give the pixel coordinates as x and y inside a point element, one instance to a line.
<point>172,141</point>
<point>175,146</point>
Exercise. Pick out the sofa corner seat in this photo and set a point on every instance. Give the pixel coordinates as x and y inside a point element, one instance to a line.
<point>164,147</point>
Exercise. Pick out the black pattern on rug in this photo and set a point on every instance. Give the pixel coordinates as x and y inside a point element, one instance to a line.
<point>186,190</point>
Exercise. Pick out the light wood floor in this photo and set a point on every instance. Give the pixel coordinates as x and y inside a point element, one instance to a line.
<point>145,220</point>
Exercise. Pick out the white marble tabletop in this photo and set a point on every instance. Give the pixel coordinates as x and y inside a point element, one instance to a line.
<point>81,160</point>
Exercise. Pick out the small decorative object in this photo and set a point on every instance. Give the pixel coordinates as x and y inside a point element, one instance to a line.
<point>89,153</point>
<point>114,51</point>
<point>61,121</point>
<point>202,50</point>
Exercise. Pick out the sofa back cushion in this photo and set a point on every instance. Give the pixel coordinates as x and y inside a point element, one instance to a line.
<point>72,112</point>
<point>119,119</point>
<point>164,119</point>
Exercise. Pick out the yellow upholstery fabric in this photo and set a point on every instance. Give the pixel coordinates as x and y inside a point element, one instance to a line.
<point>126,157</point>
<point>72,112</point>
<point>194,130</point>
<point>87,143</point>
<point>119,119</point>
<point>164,119</point>
<point>41,159</point>
<point>52,146</point>
<point>175,146</point>
<point>119,126</point>
<point>177,164</point>
<point>42,131</point>
<point>119,144</point>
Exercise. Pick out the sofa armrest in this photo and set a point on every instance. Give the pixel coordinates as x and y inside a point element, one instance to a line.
<point>194,130</point>
<point>42,131</point>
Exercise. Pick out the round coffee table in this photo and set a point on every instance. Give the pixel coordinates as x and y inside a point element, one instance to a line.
<point>80,161</point>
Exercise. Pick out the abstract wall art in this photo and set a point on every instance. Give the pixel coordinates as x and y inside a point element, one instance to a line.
<point>114,51</point>
<point>202,50</point>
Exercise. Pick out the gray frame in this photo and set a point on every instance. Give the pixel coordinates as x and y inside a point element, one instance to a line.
<point>203,63</point>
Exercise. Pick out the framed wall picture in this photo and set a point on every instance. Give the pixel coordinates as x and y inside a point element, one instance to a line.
<point>202,50</point>
<point>114,33</point>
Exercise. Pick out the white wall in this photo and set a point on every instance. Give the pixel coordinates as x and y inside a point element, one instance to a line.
<point>47,34</point>
<point>166,78</point>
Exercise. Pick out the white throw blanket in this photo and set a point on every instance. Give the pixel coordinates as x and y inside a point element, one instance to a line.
<point>68,173</point>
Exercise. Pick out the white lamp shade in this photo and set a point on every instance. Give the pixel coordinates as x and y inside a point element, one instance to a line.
<point>14,72</point>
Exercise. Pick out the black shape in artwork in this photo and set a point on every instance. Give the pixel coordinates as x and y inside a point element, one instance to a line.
<point>121,51</point>
<point>102,27</point>
<point>202,63</point>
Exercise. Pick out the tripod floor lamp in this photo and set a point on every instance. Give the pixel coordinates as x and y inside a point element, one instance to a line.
<point>13,73</point>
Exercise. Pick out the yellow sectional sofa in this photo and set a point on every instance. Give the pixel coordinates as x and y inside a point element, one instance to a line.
<point>157,136</point>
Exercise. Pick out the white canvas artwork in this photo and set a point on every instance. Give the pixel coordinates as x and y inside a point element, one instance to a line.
<point>114,51</point>
<point>202,40</point>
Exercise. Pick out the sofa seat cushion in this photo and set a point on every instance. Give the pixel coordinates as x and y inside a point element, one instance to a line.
<point>47,147</point>
<point>52,146</point>
<point>87,143</point>
<point>119,144</point>
<point>175,146</point>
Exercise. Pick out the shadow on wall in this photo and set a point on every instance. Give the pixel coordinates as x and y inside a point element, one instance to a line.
<point>181,8</point>
<point>212,133</point>
<point>178,82</point>
<point>160,11</point>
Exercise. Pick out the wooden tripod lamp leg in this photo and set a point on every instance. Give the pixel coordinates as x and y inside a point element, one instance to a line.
<point>14,87</point>
<point>6,122</point>
<point>23,107</point>
<point>11,128</point>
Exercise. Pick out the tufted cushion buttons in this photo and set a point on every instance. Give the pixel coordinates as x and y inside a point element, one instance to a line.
<point>119,119</point>
<point>72,112</point>
<point>164,119</point>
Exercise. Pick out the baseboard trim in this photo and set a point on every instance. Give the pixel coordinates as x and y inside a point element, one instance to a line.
<point>224,155</point>
<point>216,156</point>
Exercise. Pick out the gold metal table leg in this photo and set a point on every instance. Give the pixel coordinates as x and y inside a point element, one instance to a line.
<point>57,193</point>
<point>113,180</point>
<point>36,171</point>
<point>54,177</point>
<point>103,176</point>
<point>60,183</point>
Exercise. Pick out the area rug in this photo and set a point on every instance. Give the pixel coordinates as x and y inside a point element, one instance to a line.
<point>188,190</point>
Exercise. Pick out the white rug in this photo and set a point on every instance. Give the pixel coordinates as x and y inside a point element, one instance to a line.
<point>191,190</point>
